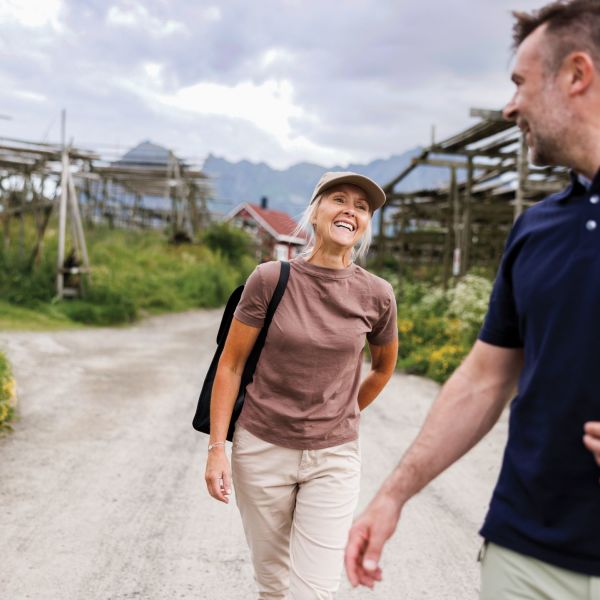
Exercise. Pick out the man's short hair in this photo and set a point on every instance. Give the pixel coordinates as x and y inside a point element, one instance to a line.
<point>574,25</point>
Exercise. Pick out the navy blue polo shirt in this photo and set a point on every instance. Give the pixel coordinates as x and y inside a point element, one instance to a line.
<point>546,299</point>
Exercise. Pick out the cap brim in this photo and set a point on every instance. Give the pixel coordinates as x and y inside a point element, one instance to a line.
<point>375,195</point>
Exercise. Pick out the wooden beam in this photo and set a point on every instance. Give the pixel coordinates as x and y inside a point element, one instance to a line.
<point>488,115</point>
<point>389,187</point>
<point>452,164</point>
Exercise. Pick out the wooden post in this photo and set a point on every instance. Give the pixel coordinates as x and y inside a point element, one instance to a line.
<point>137,217</point>
<point>456,224</point>
<point>401,236</point>
<point>381,237</point>
<point>7,204</point>
<point>193,209</point>
<point>522,168</point>
<point>173,196</point>
<point>467,234</point>
<point>77,224</point>
<point>75,238</point>
<point>62,225</point>
<point>90,201</point>
<point>447,256</point>
<point>36,254</point>
<point>106,209</point>
<point>21,195</point>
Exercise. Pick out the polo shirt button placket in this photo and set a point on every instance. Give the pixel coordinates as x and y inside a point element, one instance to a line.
<point>590,240</point>
<point>592,224</point>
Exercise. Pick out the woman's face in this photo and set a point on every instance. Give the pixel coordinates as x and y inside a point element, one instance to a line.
<point>342,217</point>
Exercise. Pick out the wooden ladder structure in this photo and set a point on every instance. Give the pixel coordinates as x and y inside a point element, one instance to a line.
<point>74,267</point>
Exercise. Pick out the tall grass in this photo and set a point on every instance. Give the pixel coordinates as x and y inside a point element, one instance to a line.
<point>133,273</point>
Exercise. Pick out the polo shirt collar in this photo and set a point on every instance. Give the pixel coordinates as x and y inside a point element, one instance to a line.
<point>595,183</point>
<point>578,186</point>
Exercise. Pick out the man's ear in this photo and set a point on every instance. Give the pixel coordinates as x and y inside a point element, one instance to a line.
<point>580,72</point>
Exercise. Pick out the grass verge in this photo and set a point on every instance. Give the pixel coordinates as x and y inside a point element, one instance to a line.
<point>8,395</point>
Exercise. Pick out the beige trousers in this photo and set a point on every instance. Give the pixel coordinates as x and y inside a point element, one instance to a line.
<point>508,575</point>
<point>297,507</point>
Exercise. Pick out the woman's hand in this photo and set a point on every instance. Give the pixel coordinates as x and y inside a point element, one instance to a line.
<point>218,474</point>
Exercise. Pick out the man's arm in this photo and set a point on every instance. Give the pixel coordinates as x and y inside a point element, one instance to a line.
<point>467,407</point>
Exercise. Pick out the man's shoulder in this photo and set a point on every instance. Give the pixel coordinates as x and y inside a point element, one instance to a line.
<point>542,209</point>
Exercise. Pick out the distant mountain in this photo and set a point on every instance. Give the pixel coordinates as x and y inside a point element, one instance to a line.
<point>290,189</point>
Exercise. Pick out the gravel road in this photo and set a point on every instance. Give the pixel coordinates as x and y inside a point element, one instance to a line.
<point>101,483</point>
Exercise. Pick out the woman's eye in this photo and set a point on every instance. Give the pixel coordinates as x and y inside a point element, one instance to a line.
<point>361,207</point>
<point>338,199</point>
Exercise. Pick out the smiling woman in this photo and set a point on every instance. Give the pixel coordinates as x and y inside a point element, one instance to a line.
<point>296,461</point>
<point>336,196</point>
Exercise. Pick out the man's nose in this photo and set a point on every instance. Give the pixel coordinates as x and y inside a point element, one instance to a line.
<point>509,112</point>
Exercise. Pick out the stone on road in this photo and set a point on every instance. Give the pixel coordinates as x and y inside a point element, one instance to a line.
<point>102,489</point>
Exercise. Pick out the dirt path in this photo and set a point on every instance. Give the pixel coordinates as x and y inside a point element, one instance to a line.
<point>101,483</point>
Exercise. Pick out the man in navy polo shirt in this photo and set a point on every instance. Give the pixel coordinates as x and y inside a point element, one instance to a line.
<point>541,336</point>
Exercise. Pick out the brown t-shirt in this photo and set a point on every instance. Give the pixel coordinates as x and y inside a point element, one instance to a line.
<point>305,388</point>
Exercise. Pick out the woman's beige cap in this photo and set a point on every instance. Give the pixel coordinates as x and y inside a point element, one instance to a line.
<point>375,195</point>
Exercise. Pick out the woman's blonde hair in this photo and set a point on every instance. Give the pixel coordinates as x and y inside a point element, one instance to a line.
<point>306,225</point>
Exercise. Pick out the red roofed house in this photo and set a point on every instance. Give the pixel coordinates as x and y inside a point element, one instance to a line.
<point>273,230</point>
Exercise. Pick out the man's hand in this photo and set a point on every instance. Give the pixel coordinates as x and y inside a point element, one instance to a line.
<point>477,391</point>
<point>591,439</point>
<point>367,537</point>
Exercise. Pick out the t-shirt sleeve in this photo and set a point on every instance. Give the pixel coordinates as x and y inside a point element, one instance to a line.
<point>253,304</point>
<point>501,324</point>
<point>386,328</point>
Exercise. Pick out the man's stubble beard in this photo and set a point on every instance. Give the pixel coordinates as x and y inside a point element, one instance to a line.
<point>545,151</point>
<point>550,136</point>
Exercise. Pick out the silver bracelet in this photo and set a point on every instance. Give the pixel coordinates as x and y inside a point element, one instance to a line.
<point>211,446</point>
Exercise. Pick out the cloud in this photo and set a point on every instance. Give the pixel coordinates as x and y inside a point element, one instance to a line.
<point>278,80</point>
<point>31,14</point>
<point>136,16</point>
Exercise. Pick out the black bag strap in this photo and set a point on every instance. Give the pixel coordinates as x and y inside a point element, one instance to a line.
<point>277,294</point>
<point>262,336</point>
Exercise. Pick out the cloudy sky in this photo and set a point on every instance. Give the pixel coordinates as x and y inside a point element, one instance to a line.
<point>279,81</point>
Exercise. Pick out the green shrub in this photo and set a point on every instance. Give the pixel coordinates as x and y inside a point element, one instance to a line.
<point>231,242</point>
<point>8,396</point>
<point>437,328</point>
<point>23,285</point>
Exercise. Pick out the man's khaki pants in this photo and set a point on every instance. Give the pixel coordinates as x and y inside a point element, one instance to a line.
<point>508,575</point>
<point>297,508</point>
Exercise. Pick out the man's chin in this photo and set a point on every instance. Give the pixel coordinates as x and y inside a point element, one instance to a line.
<point>539,159</point>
